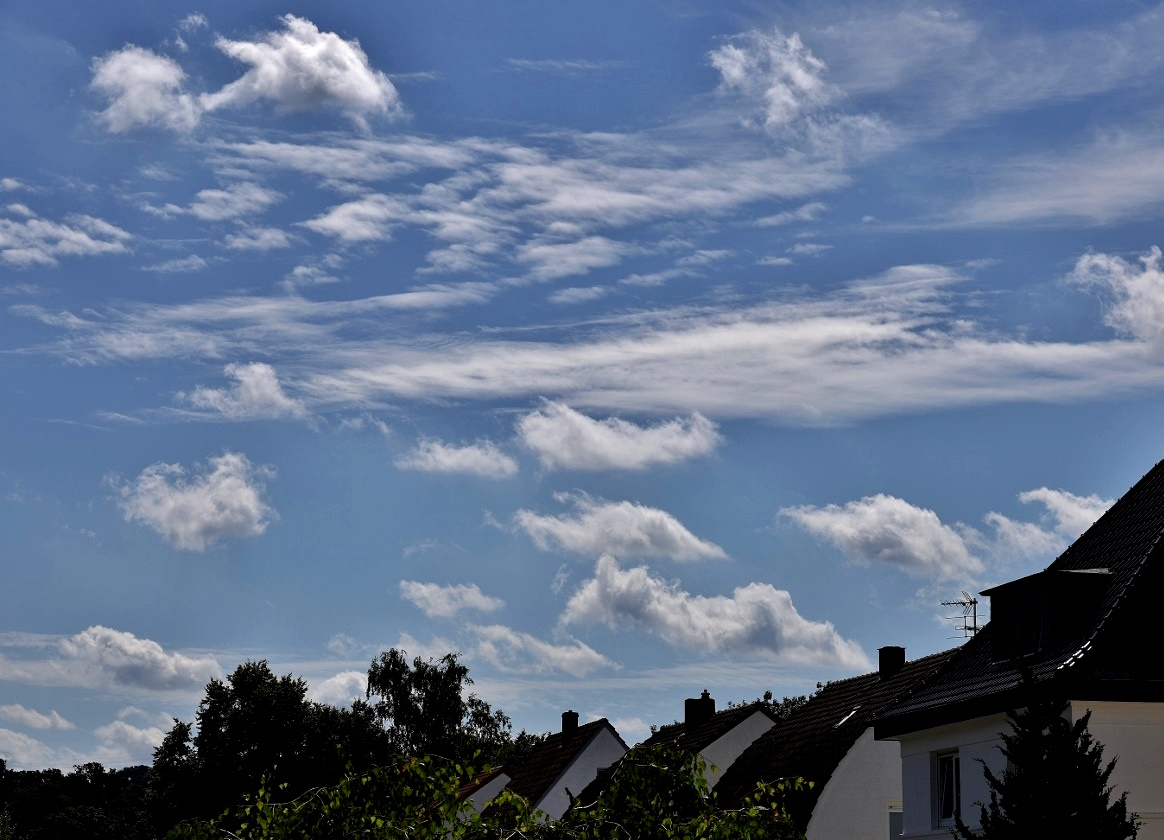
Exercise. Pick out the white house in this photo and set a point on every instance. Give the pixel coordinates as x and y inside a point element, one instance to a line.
<point>856,793</point>
<point>1085,631</point>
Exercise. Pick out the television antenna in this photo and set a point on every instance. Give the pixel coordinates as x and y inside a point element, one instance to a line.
<point>969,616</point>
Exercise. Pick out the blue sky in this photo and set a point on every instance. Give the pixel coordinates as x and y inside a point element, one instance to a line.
<point>629,351</point>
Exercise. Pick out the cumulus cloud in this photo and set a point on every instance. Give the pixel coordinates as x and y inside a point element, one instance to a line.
<point>757,619</point>
<point>30,240</point>
<point>143,89</point>
<point>244,198</point>
<point>516,652</point>
<point>223,499</point>
<point>121,658</point>
<point>622,528</point>
<point>1136,291</point>
<point>778,70</point>
<point>255,395</point>
<point>885,529</point>
<point>437,601</point>
<point>340,690</point>
<point>258,239</point>
<point>567,439</point>
<point>133,739</point>
<point>1071,514</point>
<point>33,719</point>
<point>20,750</point>
<point>483,459</point>
<point>300,68</point>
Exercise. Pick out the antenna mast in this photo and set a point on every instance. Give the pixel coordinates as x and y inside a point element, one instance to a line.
<point>969,614</point>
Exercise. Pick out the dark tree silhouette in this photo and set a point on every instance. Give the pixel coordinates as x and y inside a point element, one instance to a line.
<point>1055,783</point>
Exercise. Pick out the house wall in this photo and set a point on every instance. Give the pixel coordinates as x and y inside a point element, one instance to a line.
<point>723,752</point>
<point>484,794</point>
<point>855,803</point>
<point>974,739</point>
<point>601,752</point>
<point>1132,733</point>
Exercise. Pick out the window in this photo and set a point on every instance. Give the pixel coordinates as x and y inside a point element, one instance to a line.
<point>947,789</point>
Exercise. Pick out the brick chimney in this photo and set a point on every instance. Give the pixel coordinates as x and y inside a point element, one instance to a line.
<point>890,660</point>
<point>698,709</point>
<point>569,725</point>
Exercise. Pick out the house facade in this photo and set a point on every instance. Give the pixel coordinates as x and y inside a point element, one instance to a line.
<point>1082,631</point>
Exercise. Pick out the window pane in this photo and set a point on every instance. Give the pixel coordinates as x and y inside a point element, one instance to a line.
<point>948,788</point>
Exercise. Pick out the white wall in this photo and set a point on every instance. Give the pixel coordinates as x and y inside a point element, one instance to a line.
<point>723,752</point>
<point>603,751</point>
<point>484,794</point>
<point>1133,733</point>
<point>854,805</point>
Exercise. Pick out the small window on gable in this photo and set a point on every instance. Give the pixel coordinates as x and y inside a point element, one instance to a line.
<point>947,789</point>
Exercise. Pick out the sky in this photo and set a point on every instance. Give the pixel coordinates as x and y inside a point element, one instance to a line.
<point>627,350</point>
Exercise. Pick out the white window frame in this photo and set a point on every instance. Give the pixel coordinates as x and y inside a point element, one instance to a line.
<point>946,766</point>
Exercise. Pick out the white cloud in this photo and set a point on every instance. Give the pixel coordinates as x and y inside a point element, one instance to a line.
<point>551,260</point>
<point>774,261</point>
<point>244,198</point>
<point>437,601</point>
<point>301,68</point>
<point>805,213</point>
<point>22,751</point>
<point>255,395</point>
<point>340,690</point>
<point>121,658</point>
<point>885,529</point>
<point>221,500</point>
<point>258,239</point>
<point>34,719</point>
<point>178,266</point>
<point>366,219</point>
<point>516,652</point>
<point>133,739</point>
<point>483,459</point>
<point>579,294</point>
<point>31,240</point>
<point>622,528</point>
<point>757,619</point>
<point>1137,292</point>
<point>777,69</point>
<point>143,89</point>
<point>565,438</point>
<point>1072,514</point>
<point>809,249</point>
<point>569,67</point>
<point>343,645</point>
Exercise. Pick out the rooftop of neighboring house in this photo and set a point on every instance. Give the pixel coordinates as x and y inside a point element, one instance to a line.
<point>811,742</point>
<point>1079,627</point>
<point>702,726</point>
<point>546,764</point>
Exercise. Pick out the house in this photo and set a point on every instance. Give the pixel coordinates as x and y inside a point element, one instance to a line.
<point>1084,630</point>
<point>720,738</point>
<point>856,791</point>
<point>564,764</point>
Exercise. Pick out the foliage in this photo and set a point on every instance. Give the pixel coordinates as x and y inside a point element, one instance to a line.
<point>1055,783</point>
<point>90,803</point>
<point>426,712</point>
<point>779,709</point>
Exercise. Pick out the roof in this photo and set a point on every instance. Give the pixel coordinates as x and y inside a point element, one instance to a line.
<point>1099,658</point>
<point>537,775</point>
<point>697,738</point>
<point>479,781</point>
<point>811,742</point>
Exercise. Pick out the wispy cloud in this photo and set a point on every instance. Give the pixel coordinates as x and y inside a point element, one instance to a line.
<point>256,394</point>
<point>513,651</point>
<point>483,459</point>
<point>437,601</point>
<point>27,240</point>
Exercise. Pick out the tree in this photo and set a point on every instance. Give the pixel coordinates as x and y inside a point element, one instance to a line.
<point>426,712</point>
<point>1055,783</point>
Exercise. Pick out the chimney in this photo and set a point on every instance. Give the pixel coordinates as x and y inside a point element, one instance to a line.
<point>569,725</point>
<point>698,709</point>
<point>890,660</point>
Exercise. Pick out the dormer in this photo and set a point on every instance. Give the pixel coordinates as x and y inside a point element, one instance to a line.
<point>1043,610</point>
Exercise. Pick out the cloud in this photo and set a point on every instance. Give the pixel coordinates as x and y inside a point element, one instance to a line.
<point>552,260</point>
<point>579,294</point>
<point>366,219</point>
<point>1072,514</point>
<point>34,719</point>
<point>483,459</point>
<point>622,528</point>
<point>809,249</point>
<point>121,658</point>
<point>568,67</point>
<point>885,529</point>
<point>223,499</point>
<point>301,68</point>
<point>340,690</point>
<point>144,89</point>
<point>255,395</point>
<point>258,239</point>
<point>757,619</point>
<point>20,750</point>
<point>778,70</point>
<point>31,240</point>
<point>437,601</point>
<point>567,439</point>
<point>243,198</point>
<point>516,652</point>
<point>805,213</point>
<point>177,266</point>
<point>133,739</point>
<point>1137,292</point>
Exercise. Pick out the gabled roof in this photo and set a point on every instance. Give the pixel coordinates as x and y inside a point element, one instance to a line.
<point>699,737</point>
<point>479,781</point>
<point>537,775</point>
<point>1100,657</point>
<point>811,742</point>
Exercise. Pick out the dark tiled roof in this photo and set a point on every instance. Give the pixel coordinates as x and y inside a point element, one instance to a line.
<point>1099,658</point>
<point>534,778</point>
<point>811,742</point>
<point>479,781</point>
<point>699,737</point>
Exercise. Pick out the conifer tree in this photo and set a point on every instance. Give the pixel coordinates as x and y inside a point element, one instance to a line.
<point>1055,783</point>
